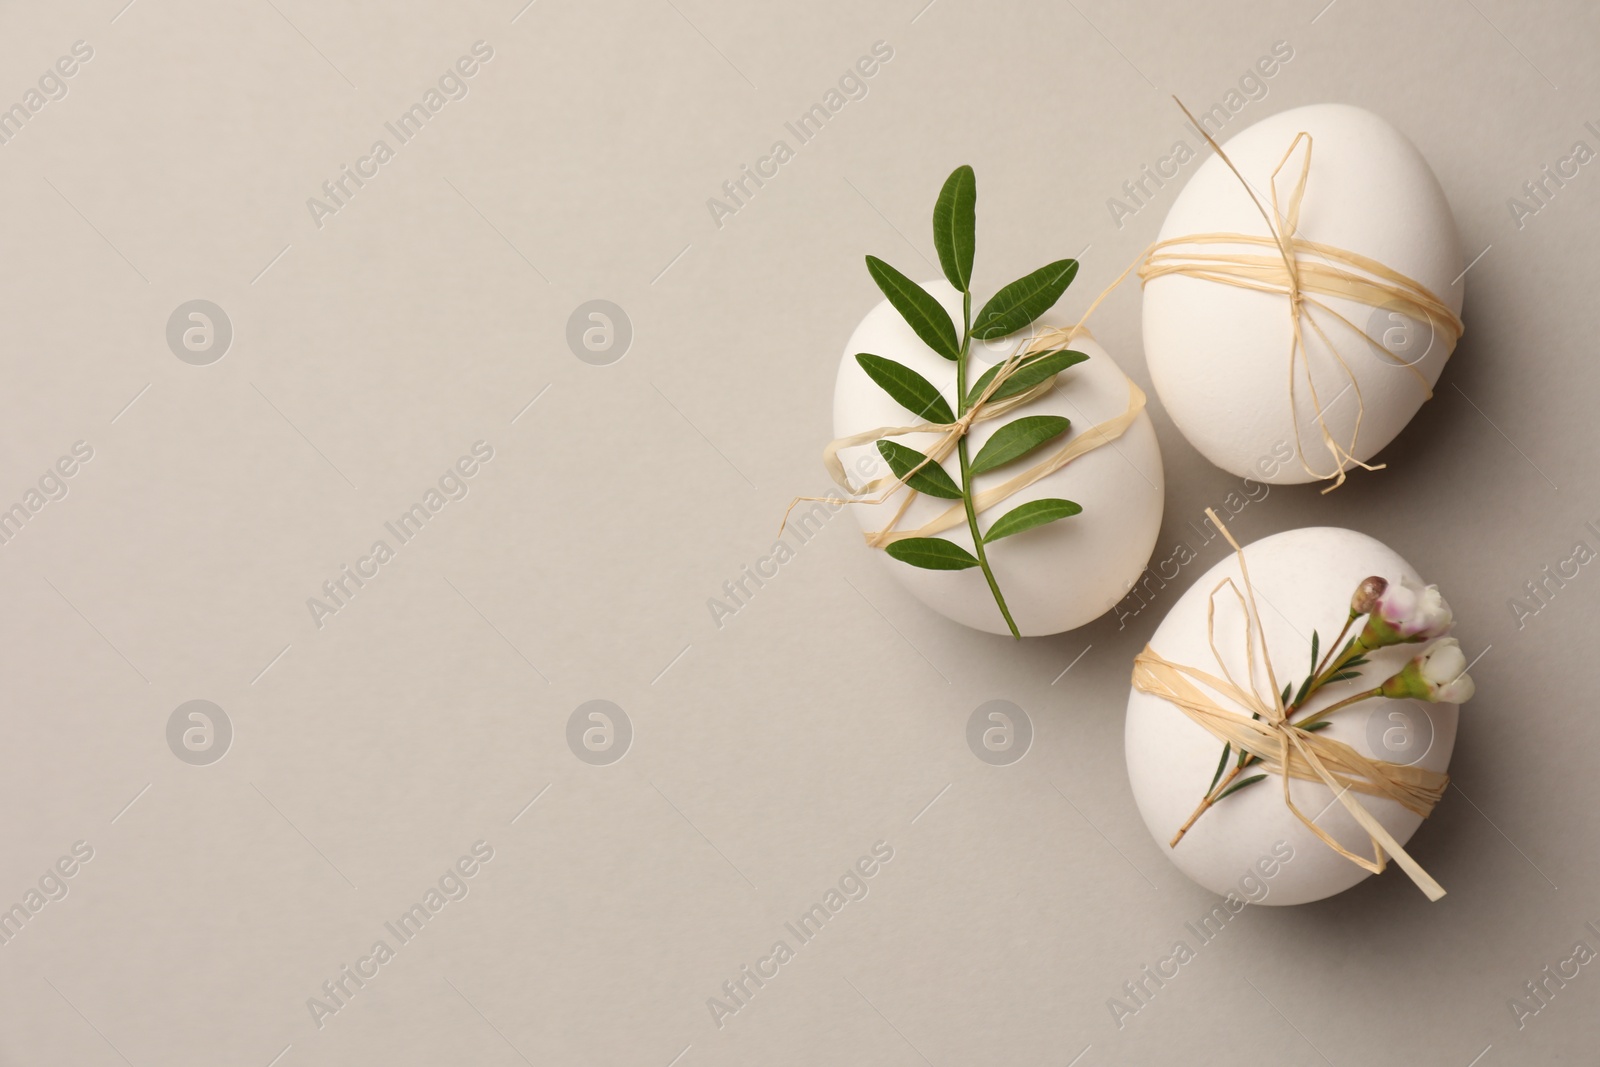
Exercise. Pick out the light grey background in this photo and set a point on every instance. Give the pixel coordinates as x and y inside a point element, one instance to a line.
<point>831,712</point>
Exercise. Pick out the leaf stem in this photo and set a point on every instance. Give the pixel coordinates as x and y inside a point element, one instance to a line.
<point>966,463</point>
<point>1345,703</point>
<point>1206,801</point>
<point>1319,671</point>
<point>1353,650</point>
<point>1324,671</point>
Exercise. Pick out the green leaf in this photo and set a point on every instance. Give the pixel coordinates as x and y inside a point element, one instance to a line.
<point>1223,762</point>
<point>932,554</point>
<point>908,388</point>
<point>918,307</point>
<point>1286,691</point>
<point>1024,300</point>
<point>1313,652</point>
<point>1029,374</point>
<point>1359,661</point>
<point>954,225</point>
<point>1236,786</point>
<point>1244,755</point>
<point>1320,724</point>
<point>1016,439</point>
<point>931,479</point>
<point>1305,687</point>
<point>1344,676</point>
<point>1033,513</point>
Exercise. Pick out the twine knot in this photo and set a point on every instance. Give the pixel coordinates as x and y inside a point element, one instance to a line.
<point>1297,268</point>
<point>1263,729</point>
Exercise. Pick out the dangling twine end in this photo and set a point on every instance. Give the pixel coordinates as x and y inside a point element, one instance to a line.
<point>783,527</point>
<point>1261,729</point>
<point>1339,479</point>
<point>982,407</point>
<point>1296,268</point>
<point>1226,535</point>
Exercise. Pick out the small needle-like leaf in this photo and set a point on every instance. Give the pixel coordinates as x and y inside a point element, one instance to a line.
<point>1236,786</point>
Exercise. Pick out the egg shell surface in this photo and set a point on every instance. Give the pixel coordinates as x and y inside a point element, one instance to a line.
<point>1054,577</point>
<point>1219,355</point>
<point>1303,581</point>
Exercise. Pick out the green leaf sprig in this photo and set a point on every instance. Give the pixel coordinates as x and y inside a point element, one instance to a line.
<point>1014,307</point>
<point>1423,617</point>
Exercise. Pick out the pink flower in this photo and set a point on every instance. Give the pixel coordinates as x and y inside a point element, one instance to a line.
<point>1403,613</point>
<point>1438,674</point>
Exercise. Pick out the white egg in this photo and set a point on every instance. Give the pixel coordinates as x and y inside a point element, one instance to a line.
<point>1303,581</point>
<point>1054,577</point>
<point>1219,355</point>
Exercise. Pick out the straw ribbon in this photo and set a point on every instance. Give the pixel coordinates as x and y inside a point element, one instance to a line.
<point>1283,263</point>
<point>983,407</point>
<point>1301,270</point>
<point>1260,726</point>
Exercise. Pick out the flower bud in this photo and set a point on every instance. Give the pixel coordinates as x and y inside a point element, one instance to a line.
<point>1437,674</point>
<point>1405,613</point>
<point>1365,600</point>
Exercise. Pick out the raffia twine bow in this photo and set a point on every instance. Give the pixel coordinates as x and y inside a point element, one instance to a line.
<point>1259,725</point>
<point>1296,269</point>
<point>983,407</point>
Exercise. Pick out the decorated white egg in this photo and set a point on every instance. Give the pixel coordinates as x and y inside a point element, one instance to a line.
<point>1249,844</point>
<point>1055,576</point>
<point>1222,356</point>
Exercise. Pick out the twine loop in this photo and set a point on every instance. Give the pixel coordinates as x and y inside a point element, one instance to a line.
<point>1296,268</point>
<point>983,407</point>
<point>1261,726</point>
